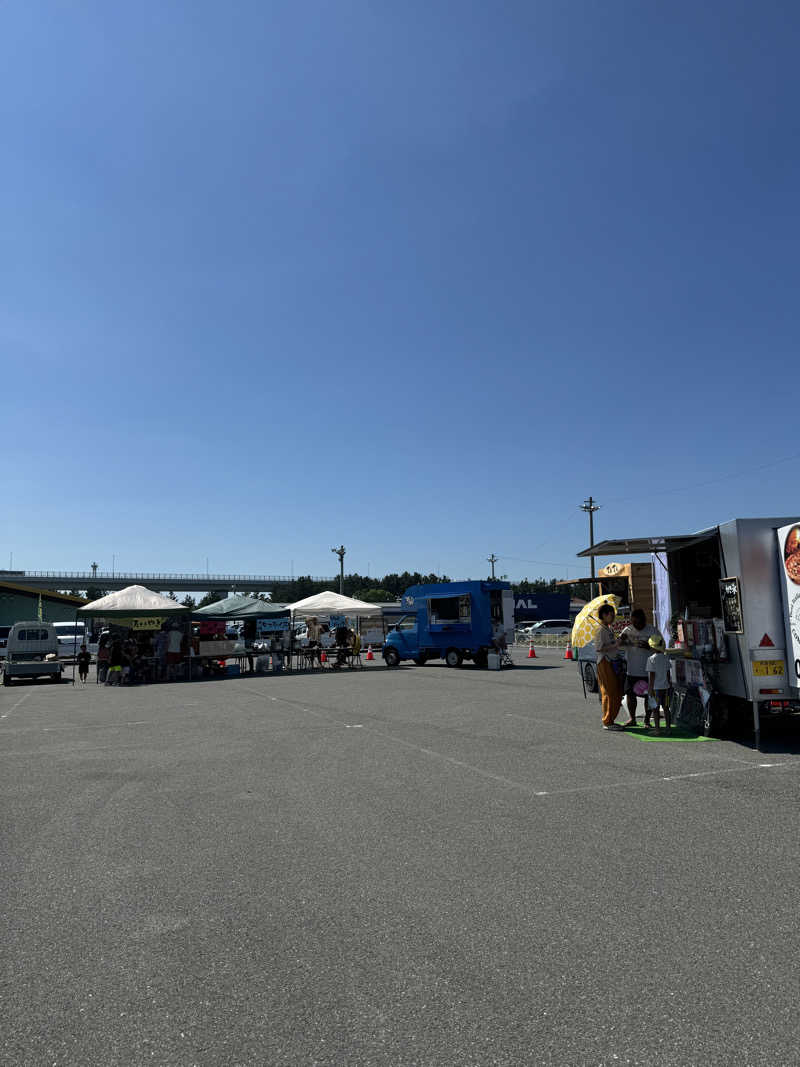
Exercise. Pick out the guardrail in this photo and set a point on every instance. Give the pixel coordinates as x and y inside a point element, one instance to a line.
<point>543,641</point>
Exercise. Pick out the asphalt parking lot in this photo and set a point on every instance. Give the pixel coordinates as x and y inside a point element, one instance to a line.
<point>413,867</point>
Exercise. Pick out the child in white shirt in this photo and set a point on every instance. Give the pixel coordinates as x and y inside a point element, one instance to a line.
<point>658,682</point>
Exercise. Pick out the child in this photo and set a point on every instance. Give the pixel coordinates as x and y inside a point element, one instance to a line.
<point>658,683</point>
<point>83,661</point>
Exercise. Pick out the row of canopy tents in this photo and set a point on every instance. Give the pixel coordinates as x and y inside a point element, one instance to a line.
<point>137,602</point>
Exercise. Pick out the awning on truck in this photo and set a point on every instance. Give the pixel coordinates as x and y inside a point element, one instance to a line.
<point>631,546</point>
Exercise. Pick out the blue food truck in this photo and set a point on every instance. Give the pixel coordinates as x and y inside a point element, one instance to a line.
<point>453,621</point>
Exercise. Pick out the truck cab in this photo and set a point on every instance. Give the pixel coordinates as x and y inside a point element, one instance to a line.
<point>32,652</point>
<point>454,621</point>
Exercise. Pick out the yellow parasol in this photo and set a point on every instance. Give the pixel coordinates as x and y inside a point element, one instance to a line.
<point>587,623</point>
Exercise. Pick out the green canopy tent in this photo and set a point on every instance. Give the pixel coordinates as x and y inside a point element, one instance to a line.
<point>241,607</point>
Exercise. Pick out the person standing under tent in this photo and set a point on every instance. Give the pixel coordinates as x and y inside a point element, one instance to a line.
<point>160,643</point>
<point>174,653</point>
<point>634,640</point>
<point>103,652</point>
<point>610,667</point>
<point>314,634</point>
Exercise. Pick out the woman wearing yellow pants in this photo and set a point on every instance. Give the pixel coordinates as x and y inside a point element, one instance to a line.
<point>609,668</point>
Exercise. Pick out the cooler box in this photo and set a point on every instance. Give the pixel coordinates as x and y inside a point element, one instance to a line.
<point>493,661</point>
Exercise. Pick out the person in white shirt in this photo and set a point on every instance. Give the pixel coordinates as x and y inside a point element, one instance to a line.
<point>634,640</point>
<point>658,683</point>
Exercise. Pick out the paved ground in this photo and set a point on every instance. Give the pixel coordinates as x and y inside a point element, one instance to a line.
<point>418,867</point>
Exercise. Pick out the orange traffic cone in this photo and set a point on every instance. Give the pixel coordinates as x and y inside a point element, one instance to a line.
<point>568,652</point>
<point>323,658</point>
<point>370,654</point>
<point>531,651</point>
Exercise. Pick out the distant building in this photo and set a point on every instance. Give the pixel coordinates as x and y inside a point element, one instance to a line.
<point>20,602</point>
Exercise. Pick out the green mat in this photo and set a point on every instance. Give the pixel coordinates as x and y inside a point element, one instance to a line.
<point>676,733</point>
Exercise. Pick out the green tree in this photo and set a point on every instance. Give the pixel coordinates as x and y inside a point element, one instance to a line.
<point>373,596</point>
<point>189,602</point>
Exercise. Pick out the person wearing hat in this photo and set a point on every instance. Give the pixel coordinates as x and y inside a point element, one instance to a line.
<point>657,683</point>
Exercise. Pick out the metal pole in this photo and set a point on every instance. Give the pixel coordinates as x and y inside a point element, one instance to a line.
<point>591,507</point>
<point>340,552</point>
<point>492,559</point>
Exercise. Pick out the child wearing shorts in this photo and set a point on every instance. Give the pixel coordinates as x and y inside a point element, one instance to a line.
<point>658,683</point>
<point>83,661</point>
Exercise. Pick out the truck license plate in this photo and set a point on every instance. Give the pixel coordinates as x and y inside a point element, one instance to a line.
<point>767,666</point>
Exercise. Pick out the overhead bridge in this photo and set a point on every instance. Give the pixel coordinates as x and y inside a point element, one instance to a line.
<point>159,583</point>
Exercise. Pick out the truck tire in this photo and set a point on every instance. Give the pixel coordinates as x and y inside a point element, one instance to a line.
<point>453,657</point>
<point>716,721</point>
<point>590,677</point>
<point>391,657</point>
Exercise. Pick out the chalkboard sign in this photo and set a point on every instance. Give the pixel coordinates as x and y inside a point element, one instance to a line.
<point>731,598</point>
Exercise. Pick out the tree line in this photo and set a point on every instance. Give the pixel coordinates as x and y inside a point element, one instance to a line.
<point>359,586</point>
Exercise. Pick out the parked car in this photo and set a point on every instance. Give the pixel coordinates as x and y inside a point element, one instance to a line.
<point>550,628</point>
<point>32,652</point>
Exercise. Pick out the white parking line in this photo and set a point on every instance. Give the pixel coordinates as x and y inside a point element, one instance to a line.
<point>14,707</point>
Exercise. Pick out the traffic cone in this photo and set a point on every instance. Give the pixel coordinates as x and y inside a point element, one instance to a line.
<point>323,658</point>
<point>568,652</point>
<point>531,651</point>
<point>370,654</point>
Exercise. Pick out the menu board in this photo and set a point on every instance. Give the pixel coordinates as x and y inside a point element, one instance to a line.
<point>731,597</point>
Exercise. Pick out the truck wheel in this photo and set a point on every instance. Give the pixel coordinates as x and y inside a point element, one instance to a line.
<point>481,660</point>
<point>391,657</point>
<point>590,677</point>
<point>716,720</point>
<point>453,657</point>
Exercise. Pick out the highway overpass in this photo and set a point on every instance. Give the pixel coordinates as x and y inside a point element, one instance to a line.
<point>159,583</point>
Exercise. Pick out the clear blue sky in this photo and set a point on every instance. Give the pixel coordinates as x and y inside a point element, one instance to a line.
<point>416,276</point>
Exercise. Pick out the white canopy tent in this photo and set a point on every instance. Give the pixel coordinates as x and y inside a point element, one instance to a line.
<point>329,603</point>
<point>134,601</point>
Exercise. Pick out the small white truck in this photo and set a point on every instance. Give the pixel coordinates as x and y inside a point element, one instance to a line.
<point>32,652</point>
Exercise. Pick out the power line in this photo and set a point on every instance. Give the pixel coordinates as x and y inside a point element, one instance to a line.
<point>711,481</point>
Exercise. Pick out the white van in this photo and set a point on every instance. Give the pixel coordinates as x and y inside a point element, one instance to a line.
<point>32,652</point>
<point>71,635</point>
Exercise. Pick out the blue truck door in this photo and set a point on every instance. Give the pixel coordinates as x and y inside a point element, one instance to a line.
<point>407,631</point>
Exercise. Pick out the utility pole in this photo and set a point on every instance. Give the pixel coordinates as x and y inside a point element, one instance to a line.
<point>591,507</point>
<point>493,559</point>
<point>340,552</point>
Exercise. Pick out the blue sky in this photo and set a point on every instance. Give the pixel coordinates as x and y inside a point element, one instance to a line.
<point>415,277</point>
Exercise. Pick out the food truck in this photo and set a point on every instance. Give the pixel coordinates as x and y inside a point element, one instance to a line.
<point>454,621</point>
<point>727,601</point>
